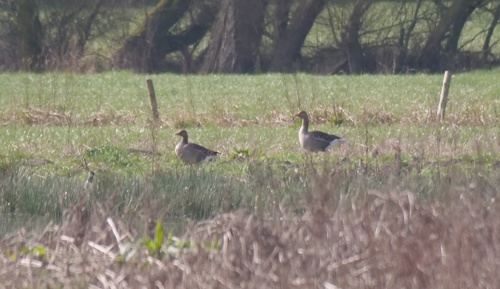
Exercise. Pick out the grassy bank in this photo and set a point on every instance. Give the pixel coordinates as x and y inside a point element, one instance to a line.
<point>316,220</point>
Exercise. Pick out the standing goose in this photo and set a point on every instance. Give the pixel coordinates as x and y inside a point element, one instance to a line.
<point>315,141</point>
<point>191,153</point>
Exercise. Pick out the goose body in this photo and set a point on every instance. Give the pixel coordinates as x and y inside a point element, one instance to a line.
<point>315,141</point>
<point>191,153</point>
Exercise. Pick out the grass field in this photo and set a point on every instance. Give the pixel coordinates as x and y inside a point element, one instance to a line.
<point>403,178</point>
<point>52,122</point>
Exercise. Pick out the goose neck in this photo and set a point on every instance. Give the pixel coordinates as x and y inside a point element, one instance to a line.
<point>305,125</point>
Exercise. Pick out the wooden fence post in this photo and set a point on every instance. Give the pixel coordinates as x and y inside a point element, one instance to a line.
<point>152,100</point>
<point>444,96</point>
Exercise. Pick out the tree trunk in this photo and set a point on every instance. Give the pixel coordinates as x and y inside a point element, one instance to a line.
<point>450,25</point>
<point>404,39</point>
<point>459,23</point>
<point>145,51</point>
<point>288,49</point>
<point>30,35</point>
<point>236,37</point>
<point>486,46</point>
<point>280,25</point>
<point>357,60</point>
<point>85,30</point>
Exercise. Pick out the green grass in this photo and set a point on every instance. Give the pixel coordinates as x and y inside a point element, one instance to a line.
<point>53,123</point>
<point>121,97</point>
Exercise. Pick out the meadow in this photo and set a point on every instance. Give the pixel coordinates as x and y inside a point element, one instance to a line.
<point>406,187</point>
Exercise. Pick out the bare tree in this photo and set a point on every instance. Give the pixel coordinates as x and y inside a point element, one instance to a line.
<point>144,50</point>
<point>405,35</point>
<point>458,24</point>
<point>53,34</point>
<point>288,46</point>
<point>30,35</point>
<point>162,33</point>
<point>280,20</point>
<point>9,38</point>
<point>246,36</point>
<point>68,27</point>
<point>448,30</point>
<point>357,59</point>
<point>236,37</point>
<point>487,40</point>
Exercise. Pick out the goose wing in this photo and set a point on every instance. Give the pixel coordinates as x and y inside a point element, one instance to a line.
<point>323,141</point>
<point>197,153</point>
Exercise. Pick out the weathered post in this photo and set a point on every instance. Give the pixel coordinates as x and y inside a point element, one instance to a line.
<point>156,119</point>
<point>152,100</point>
<point>444,96</point>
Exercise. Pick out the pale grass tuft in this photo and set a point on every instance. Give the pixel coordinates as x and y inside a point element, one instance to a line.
<point>375,115</point>
<point>38,116</point>
<point>108,115</point>
<point>228,119</point>
<point>277,117</point>
<point>473,114</point>
<point>181,118</point>
<point>420,116</point>
<point>336,115</point>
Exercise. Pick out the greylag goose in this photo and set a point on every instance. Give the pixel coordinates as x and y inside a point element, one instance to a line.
<point>191,153</point>
<point>315,141</point>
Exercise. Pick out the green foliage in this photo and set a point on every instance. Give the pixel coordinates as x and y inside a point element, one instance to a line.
<point>240,154</point>
<point>158,249</point>
<point>154,246</point>
<point>36,252</point>
<point>214,246</point>
<point>109,154</point>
